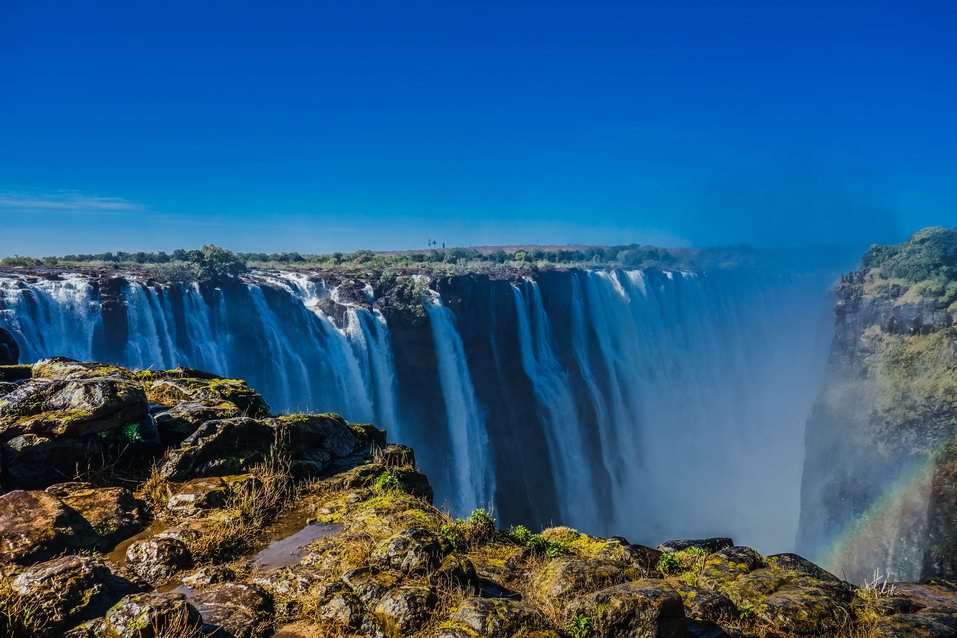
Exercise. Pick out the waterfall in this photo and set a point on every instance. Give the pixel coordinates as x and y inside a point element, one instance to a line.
<point>554,399</point>
<point>468,454</point>
<point>50,315</point>
<point>647,403</point>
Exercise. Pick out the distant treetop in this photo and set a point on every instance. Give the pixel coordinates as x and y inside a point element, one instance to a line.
<point>930,253</point>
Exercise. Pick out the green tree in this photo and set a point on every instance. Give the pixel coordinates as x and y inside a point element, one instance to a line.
<point>213,262</point>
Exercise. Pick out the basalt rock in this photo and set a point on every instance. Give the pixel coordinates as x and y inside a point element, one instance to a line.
<point>152,615</point>
<point>170,390</point>
<point>237,610</point>
<point>181,420</point>
<point>112,512</point>
<point>71,407</point>
<point>155,559</point>
<point>638,609</point>
<point>9,350</point>
<point>36,526</point>
<point>492,618</point>
<point>217,448</point>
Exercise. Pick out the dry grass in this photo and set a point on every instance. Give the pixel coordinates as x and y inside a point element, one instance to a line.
<point>179,626</point>
<point>156,490</point>
<point>19,615</point>
<point>251,505</point>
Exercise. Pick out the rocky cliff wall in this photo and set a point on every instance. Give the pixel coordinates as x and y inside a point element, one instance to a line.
<point>879,480</point>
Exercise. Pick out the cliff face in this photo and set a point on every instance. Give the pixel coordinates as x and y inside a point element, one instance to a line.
<point>880,481</point>
<point>584,388</point>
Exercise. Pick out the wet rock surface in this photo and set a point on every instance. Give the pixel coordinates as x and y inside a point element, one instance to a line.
<point>9,350</point>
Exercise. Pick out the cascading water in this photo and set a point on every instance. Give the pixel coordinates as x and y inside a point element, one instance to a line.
<point>466,427</point>
<point>655,404</point>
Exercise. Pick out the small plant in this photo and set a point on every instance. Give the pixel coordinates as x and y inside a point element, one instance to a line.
<point>746,611</point>
<point>521,534</point>
<point>482,527</point>
<point>580,626</point>
<point>133,432</point>
<point>538,543</point>
<point>156,490</point>
<point>688,562</point>
<point>669,564</point>
<point>452,534</point>
<point>875,589</point>
<point>388,482</point>
<point>462,533</point>
<point>554,549</point>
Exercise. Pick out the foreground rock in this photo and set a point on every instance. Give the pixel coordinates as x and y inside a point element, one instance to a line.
<point>72,589</point>
<point>36,526</point>
<point>252,523</point>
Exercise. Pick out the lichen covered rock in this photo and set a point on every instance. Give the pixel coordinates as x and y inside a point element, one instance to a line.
<point>492,618</point>
<point>72,589</point>
<point>639,609</point>
<point>153,615</point>
<point>157,558</point>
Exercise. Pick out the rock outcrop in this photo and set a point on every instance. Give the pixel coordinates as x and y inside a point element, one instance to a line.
<point>881,462</point>
<point>306,525</point>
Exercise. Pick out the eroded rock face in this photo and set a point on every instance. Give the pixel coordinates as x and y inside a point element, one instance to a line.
<point>71,407</point>
<point>565,578</point>
<point>153,615</point>
<point>217,448</point>
<point>9,350</point>
<point>72,589</point>
<point>180,421</point>
<point>791,600</point>
<point>171,391</point>
<point>405,609</point>
<point>60,368</point>
<point>36,526</point>
<point>198,496</point>
<point>411,551</point>
<point>51,430</point>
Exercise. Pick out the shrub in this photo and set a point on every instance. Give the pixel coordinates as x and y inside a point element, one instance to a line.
<point>213,262</point>
<point>929,254</point>
<point>669,564</point>
<point>538,543</point>
<point>388,482</point>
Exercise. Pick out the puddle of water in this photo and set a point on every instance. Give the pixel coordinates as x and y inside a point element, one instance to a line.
<point>118,555</point>
<point>289,550</point>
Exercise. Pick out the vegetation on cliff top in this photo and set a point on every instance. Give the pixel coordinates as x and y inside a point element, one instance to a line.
<point>926,263</point>
<point>212,262</point>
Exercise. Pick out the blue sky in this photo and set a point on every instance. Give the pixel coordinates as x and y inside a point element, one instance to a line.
<point>320,126</point>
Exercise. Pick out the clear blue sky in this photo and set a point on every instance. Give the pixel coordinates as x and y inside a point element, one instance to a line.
<point>320,126</point>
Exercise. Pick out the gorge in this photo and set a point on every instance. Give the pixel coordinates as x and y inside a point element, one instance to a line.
<point>656,403</point>
<point>552,398</point>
